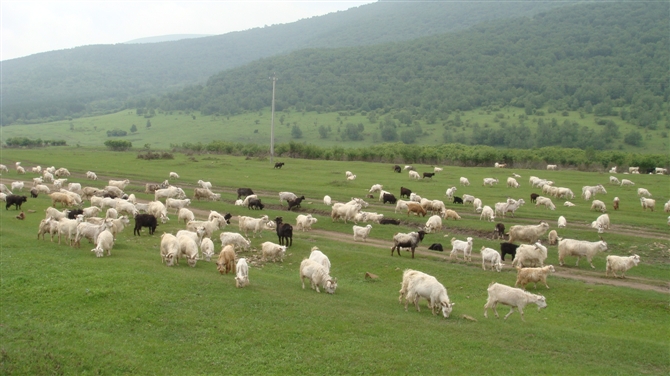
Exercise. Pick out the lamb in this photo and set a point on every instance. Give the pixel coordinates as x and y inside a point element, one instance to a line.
<point>121,184</point>
<point>361,232</point>
<point>614,180</point>
<point>174,175</point>
<point>286,196</point>
<point>437,169</point>
<point>145,220</point>
<point>169,249</point>
<point>226,261</point>
<point>533,197</point>
<point>620,264</point>
<point>525,276</point>
<point>321,258</point>
<point>414,175</point>
<point>421,285</point>
<point>234,239</point>
<point>436,247</point>
<point>528,233</point>
<point>647,203</point>
<point>464,181</point>
<point>317,275</point>
<point>601,223</point>
<point>205,184</point>
<point>487,213</point>
<point>188,248</point>
<point>626,182</point>
<point>546,201</point>
<point>273,251</point>
<point>410,240</point>
<point>562,222</point>
<point>450,214</point>
<point>460,245</point>
<point>304,222</point>
<point>242,272</point>
<point>352,177</point>
<point>598,205</point>
<point>491,256</point>
<point>450,193</point>
<point>552,237</point>
<point>176,204</point>
<point>433,224</point>
<point>255,225</point>
<point>530,254</point>
<point>513,297</point>
<point>579,248</point>
<point>91,175</point>
<point>512,183</point>
<point>568,204</point>
<point>327,200</point>
<point>397,169</point>
<point>458,200</point>
<point>348,174</point>
<point>185,215</point>
<point>254,203</point>
<point>105,243</point>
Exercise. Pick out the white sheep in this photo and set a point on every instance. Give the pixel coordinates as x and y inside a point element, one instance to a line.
<point>487,213</point>
<point>304,222</point>
<point>626,182</point>
<point>530,254</point>
<point>525,276</point>
<point>207,249</point>
<point>552,237</point>
<point>562,222</point>
<point>210,226</point>
<point>361,232</point>
<point>647,203</point>
<point>422,285</point>
<point>460,245</point>
<point>512,297</point>
<point>241,273</point>
<point>568,204</point>
<point>529,233</point>
<point>601,223</point>
<point>620,264</point>
<point>512,183</point>
<point>255,225</point>
<point>546,201</point>
<point>273,251</point>
<point>614,180</point>
<point>234,239</point>
<point>552,167</point>
<point>286,196</point>
<point>317,276</point>
<point>321,258</point>
<point>433,224</point>
<point>17,185</point>
<point>185,214</point>
<point>68,227</point>
<point>169,249</point>
<point>579,249</point>
<point>91,175</point>
<point>327,200</point>
<point>376,188</point>
<point>643,192</point>
<point>121,184</point>
<point>352,177</point>
<point>450,193</point>
<point>173,203</point>
<point>205,184</point>
<point>450,214</point>
<point>189,249</point>
<point>598,205</point>
<point>464,181</point>
<point>490,181</point>
<point>174,175</point>
<point>414,175</point>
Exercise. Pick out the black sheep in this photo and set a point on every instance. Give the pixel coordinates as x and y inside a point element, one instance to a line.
<point>428,174</point>
<point>499,231</point>
<point>72,214</point>
<point>284,232</point>
<point>145,220</point>
<point>34,192</point>
<point>405,192</point>
<point>397,169</point>
<point>15,200</point>
<point>458,200</point>
<point>508,249</point>
<point>279,165</point>
<point>388,197</point>
<point>389,221</point>
<point>255,203</point>
<point>533,197</point>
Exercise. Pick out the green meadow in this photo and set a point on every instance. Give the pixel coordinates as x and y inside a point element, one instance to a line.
<point>177,127</point>
<point>64,311</point>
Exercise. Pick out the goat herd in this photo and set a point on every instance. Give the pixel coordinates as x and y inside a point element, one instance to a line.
<point>194,242</point>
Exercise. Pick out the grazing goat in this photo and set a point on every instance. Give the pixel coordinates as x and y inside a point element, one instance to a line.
<point>525,276</point>
<point>512,297</point>
<point>226,261</point>
<point>242,271</point>
<point>317,275</point>
<point>493,257</point>
<point>420,285</point>
<point>273,251</point>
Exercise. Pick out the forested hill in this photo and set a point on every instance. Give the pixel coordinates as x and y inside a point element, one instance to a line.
<point>601,55</point>
<point>100,78</point>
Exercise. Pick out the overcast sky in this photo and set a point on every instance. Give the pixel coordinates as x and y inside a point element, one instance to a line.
<point>30,27</point>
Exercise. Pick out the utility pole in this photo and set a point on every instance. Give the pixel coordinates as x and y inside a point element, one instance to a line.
<point>272,122</point>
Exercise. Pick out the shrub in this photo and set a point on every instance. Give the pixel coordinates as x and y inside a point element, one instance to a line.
<point>118,145</point>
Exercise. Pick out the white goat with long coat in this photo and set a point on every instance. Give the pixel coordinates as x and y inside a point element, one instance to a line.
<point>579,249</point>
<point>620,264</point>
<point>317,276</point>
<point>512,297</point>
<point>422,285</point>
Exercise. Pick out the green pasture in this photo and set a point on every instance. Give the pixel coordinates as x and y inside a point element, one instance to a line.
<point>64,311</point>
<point>177,127</point>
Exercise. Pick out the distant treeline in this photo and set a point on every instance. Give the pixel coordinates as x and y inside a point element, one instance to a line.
<point>446,154</point>
<point>16,142</point>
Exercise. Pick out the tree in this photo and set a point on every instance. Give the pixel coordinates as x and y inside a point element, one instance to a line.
<point>389,133</point>
<point>296,132</point>
<point>408,136</point>
<point>118,145</point>
<point>148,123</point>
<point>133,128</point>
<point>633,138</point>
<point>323,131</point>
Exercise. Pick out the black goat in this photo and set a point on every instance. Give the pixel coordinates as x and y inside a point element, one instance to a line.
<point>405,192</point>
<point>279,165</point>
<point>15,200</point>
<point>284,232</point>
<point>389,197</point>
<point>33,193</point>
<point>145,220</point>
<point>389,221</point>
<point>244,192</point>
<point>255,203</point>
<point>533,197</point>
<point>458,200</point>
<point>397,169</point>
<point>508,249</point>
<point>295,203</point>
<point>499,231</point>
<point>428,174</point>
<point>72,214</point>
<point>436,247</point>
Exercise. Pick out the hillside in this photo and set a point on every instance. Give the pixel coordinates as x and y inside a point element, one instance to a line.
<point>593,57</point>
<point>101,78</point>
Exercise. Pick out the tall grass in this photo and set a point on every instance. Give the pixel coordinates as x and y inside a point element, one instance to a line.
<point>65,311</point>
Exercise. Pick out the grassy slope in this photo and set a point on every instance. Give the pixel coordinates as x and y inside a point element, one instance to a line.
<point>180,127</point>
<point>65,311</point>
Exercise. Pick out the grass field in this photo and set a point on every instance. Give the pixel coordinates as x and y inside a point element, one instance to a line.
<point>64,311</point>
<point>255,128</point>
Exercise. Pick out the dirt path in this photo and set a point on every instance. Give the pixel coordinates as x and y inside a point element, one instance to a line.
<point>580,275</point>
